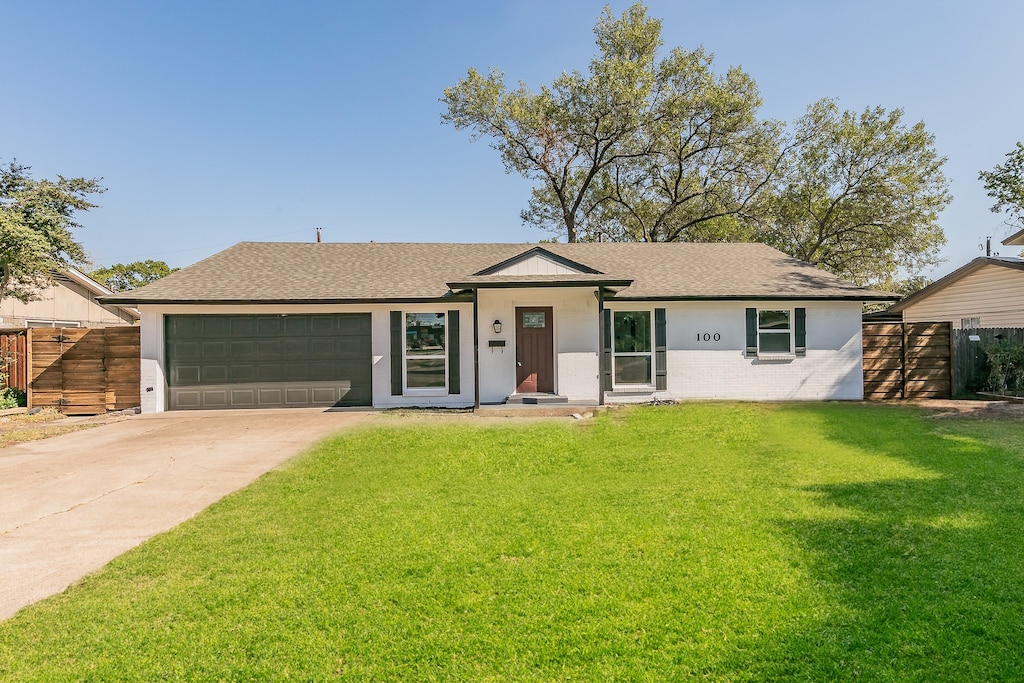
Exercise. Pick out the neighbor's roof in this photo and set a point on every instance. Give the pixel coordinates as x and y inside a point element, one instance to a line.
<point>1015,240</point>
<point>958,274</point>
<point>269,272</point>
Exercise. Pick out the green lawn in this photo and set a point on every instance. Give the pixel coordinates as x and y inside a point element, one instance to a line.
<point>702,541</point>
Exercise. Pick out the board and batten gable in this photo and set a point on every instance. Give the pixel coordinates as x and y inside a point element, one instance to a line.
<point>994,294</point>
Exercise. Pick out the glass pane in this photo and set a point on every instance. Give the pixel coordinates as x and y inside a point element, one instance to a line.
<point>773,342</point>
<point>632,369</point>
<point>424,372</point>
<point>632,331</point>
<point>424,334</point>
<point>533,319</point>
<point>773,320</point>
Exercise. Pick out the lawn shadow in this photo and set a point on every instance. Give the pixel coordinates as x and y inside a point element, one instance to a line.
<point>919,577</point>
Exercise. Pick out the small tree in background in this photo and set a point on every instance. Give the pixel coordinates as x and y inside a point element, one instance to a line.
<point>36,222</point>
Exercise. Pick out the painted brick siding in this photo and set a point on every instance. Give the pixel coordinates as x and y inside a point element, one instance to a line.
<point>699,369</point>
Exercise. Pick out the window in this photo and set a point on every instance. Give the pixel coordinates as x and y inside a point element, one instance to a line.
<point>632,347</point>
<point>425,358</point>
<point>773,332</point>
<point>970,323</point>
<point>52,323</point>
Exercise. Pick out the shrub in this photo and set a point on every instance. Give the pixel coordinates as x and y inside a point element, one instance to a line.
<point>1006,365</point>
<point>12,398</point>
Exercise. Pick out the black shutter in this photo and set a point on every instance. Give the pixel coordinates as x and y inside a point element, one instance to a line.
<point>660,344</point>
<point>606,352</point>
<point>397,342</point>
<point>751,331</point>
<point>454,386</point>
<point>801,331</point>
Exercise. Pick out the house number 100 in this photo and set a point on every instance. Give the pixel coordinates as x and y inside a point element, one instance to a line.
<point>707,336</point>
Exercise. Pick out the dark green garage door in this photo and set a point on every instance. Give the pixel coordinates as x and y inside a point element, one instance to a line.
<point>268,361</point>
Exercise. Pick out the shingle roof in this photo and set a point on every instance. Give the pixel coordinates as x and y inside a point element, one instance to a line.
<point>338,272</point>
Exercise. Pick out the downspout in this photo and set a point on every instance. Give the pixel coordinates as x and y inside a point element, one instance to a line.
<point>476,350</point>
<point>600,345</point>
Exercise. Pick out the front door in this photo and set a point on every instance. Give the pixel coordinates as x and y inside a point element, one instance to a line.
<point>535,350</point>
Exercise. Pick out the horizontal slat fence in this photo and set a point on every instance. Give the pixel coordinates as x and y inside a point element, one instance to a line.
<point>971,365</point>
<point>84,371</point>
<point>907,360</point>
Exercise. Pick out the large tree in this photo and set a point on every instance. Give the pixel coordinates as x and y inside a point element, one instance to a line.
<point>1005,184</point>
<point>36,222</point>
<point>860,196</point>
<point>637,149</point>
<point>122,277</point>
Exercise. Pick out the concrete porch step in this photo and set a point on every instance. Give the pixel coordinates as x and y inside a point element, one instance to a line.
<point>535,399</point>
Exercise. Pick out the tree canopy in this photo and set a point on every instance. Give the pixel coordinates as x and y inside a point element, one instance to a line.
<point>1005,184</point>
<point>37,218</point>
<point>859,195</point>
<point>637,149</point>
<point>649,148</point>
<point>122,277</point>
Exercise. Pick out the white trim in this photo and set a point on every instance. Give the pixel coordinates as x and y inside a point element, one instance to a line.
<point>635,386</point>
<point>424,391</point>
<point>42,322</point>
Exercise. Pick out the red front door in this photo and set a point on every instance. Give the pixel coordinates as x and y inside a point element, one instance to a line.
<point>535,350</point>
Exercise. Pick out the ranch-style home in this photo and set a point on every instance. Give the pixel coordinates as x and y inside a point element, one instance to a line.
<point>378,324</point>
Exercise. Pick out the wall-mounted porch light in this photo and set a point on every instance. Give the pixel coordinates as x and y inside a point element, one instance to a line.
<point>496,326</point>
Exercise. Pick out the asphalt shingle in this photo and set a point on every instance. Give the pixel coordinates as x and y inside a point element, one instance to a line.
<point>340,272</point>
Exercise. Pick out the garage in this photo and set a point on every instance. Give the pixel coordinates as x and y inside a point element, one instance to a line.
<point>268,361</point>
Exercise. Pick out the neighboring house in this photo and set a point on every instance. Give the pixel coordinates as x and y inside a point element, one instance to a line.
<point>70,301</point>
<point>987,292</point>
<point>1015,240</point>
<point>293,324</point>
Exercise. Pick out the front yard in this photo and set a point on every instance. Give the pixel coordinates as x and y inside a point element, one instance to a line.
<point>701,541</point>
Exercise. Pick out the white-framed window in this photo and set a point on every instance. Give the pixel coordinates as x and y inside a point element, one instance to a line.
<point>970,323</point>
<point>774,331</point>
<point>632,357</point>
<point>425,357</point>
<point>53,323</point>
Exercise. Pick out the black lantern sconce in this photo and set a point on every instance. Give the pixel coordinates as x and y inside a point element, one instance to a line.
<point>496,326</point>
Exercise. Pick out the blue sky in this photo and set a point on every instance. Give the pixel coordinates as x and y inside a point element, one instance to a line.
<point>217,122</point>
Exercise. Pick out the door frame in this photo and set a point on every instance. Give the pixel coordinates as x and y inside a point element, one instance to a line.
<point>550,327</point>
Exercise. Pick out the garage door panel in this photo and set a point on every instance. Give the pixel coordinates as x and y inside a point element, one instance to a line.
<point>270,326</point>
<point>243,350</point>
<point>235,361</point>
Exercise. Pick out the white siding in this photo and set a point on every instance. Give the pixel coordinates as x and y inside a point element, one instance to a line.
<point>993,293</point>
<point>154,384</point>
<point>698,369</point>
<point>536,265</point>
<point>576,342</point>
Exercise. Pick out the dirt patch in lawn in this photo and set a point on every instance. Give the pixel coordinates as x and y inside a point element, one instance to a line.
<point>22,427</point>
<point>941,409</point>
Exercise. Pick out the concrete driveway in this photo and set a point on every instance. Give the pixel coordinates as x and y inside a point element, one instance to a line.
<point>70,504</point>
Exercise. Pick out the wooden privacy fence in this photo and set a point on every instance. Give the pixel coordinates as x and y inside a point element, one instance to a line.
<point>907,360</point>
<point>83,371</point>
<point>970,372</point>
<point>13,354</point>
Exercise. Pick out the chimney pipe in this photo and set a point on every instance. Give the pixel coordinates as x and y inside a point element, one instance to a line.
<point>318,235</point>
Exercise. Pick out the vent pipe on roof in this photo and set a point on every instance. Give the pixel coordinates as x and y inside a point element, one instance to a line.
<point>318,235</point>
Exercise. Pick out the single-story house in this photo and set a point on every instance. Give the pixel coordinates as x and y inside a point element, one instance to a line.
<point>378,324</point>
<point>987,292</point>
<point>71,300</point>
